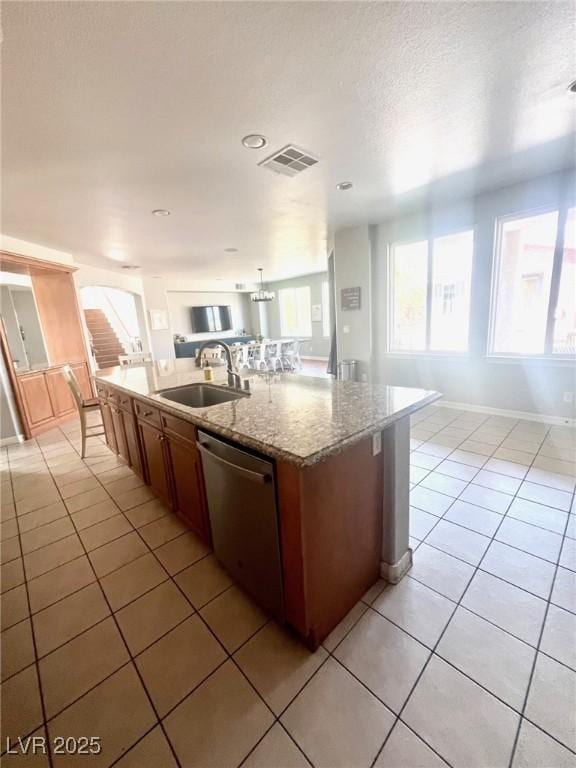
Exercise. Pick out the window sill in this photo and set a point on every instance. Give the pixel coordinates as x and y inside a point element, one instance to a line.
<point>460,356</point>
<point>537,360</point>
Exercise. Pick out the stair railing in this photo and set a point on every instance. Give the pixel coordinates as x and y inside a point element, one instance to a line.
<point>126,341</point>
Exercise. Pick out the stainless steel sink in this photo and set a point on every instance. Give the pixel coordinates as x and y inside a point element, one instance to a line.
<point>202,395</point>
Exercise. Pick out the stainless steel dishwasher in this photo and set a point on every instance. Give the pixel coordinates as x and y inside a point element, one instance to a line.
<point>244,518</point>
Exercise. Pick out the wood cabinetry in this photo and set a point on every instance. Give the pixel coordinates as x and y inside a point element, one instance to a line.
<point>187,483</point>
<point>37,403</point>
<point>108,423</point>
<point>162,449</point>
<point>46,397</point>
<point>120,434</point>
<point>132,442</point>
<point>120,426</point>
<point>157,469</point>
<point>42,396</point>
<point>330,513</point>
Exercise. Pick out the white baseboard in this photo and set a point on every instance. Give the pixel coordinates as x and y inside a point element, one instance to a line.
<point>14,440</point>
<point>527,415</point>
<point>311,357</point>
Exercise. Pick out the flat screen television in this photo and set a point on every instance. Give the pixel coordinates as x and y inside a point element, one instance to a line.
<point>211,319</point>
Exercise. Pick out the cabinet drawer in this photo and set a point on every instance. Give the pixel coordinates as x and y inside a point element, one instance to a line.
<point>174,425</point>
<point>147,413</point>
<point>124,401</point>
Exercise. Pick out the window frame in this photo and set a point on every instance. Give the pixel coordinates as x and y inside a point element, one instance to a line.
<point>548,354</point>
<point>427,352</point>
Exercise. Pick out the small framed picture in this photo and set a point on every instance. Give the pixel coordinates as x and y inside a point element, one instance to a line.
<point>317,313</point>
<point>158,320</point>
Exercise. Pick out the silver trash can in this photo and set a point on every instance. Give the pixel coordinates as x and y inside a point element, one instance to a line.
<point>348,370</point>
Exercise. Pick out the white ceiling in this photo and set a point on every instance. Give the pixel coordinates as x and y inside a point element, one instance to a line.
<point>112,109</point>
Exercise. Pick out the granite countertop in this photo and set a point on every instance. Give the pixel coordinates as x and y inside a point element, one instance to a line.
<point>293,418</point>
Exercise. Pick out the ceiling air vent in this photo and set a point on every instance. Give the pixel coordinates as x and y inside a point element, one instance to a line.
<point>240,286</point>
<point>289,161</point>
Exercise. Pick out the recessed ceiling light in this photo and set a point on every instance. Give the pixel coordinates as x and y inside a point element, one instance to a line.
<point>161,212</point>
<point>254,141</point>
<point>344,185</point>
<point>231,250</point>
<point>572,87</point>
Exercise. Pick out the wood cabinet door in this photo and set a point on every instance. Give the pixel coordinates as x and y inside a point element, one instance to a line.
<point>188,485</point>
<point>152,442</point>
<point>121,443</point>
<point>36,398</point>
<point>133,443</point>
<point>108,426</point>
<point>59,390</point>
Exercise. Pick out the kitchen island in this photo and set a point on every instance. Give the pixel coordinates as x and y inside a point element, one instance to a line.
<point>340,452</point>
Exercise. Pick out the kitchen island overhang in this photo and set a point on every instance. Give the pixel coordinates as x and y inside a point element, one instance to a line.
<point>341,452</point>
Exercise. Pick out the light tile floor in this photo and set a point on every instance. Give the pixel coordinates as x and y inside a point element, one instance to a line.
<point>117,622</point>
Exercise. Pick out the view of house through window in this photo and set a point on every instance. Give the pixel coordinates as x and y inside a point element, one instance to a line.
<point>409,280</point>
<point>295,311</point>
<point>522,287</point>
<point>534,302</point>
<point>451,279</point>
<point>431,314</point>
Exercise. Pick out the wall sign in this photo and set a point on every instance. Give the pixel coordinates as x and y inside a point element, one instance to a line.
<point>316,313</point>
<point>350,298</point>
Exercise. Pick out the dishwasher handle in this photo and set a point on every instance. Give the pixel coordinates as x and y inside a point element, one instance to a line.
<point>248,474</point>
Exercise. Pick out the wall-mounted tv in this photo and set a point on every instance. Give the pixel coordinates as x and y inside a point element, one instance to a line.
<point>211,319</point>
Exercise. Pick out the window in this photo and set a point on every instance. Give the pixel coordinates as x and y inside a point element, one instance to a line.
<point>451,279</point>
<point>430,294</point>
<point>325,309</point>
<point>295,311</point>
<point>534,301</point>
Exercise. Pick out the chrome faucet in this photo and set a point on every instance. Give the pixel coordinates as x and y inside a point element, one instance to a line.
<point>233,377</point>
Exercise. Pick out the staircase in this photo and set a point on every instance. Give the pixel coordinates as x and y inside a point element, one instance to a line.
<point>105,344</point>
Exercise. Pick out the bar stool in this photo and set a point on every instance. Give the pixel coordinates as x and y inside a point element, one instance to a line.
<point>83,406</point>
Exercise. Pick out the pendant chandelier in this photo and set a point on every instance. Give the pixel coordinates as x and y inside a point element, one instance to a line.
<point>261,294</point>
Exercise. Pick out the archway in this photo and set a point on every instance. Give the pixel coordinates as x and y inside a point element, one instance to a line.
<point>115,321</point>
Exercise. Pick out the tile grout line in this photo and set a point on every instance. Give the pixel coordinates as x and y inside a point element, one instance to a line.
<point>433,653</point>
<point>35,651</point>
<point>209,628</point>
<point>329,653</point>
<point>128,651</point>
<point>540,636</point>
<point>548,602</point>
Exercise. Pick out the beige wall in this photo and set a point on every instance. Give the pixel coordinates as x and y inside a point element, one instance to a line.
<point>353,268</point>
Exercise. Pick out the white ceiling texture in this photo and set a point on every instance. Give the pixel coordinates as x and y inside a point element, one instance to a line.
<point>113,109</point>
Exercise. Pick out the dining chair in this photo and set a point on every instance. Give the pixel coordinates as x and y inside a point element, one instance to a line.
<point>291,355</point>
<point>83,406</point>
<point>275,356</point>
<point>260,356</point>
